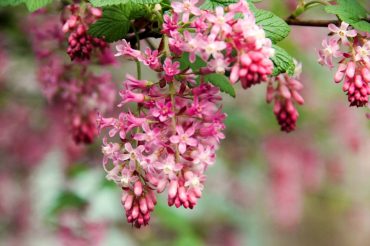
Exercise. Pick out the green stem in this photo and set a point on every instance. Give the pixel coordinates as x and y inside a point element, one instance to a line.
<point>302,7</point>
<point>138,64</point>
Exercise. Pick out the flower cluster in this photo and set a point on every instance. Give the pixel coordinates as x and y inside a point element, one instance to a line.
<point>73,86</point>
<point>81,44</point>
<point>353,50</point>
<point>228,39</point>
<point>169,141</point>
<point>284,91</point>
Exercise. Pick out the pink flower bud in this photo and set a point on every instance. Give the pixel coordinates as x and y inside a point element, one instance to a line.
<point>365,74</point>
<point>135,211</point>
<point>138,188</point>
<point>128,202</point>
<point>350,72</point>
<point>172,189</point>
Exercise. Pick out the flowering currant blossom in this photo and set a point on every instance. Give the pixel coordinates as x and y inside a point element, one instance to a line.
<point>284,91</point>
<point>217,34</point>
<point>354,64</point>
<point>73,87</point>
<point>170,129</point>
<point>81,44</point>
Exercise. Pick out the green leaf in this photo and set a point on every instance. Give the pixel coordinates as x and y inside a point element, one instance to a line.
<point>103,3</point>
<point>283,62</point>
<point>352,12</point>
<point>275,28</point>
<point>116,21</point>
<point>185,63</point>
<point>67,199</point>
<point>33,5</point>
<point>4,3</point>
<point>212,4</point>
<point>220,81</point>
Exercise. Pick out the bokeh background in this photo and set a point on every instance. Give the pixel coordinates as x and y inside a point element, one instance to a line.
<point>308,187</point>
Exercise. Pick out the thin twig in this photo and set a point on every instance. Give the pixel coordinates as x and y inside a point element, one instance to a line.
<point>314,23</point>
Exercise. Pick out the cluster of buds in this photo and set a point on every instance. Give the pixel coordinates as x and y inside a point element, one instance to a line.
<point>228,39</point>
<point>353,50</point>
<point>80,92</point>
<point>81,44</point>
<point>284,91</point>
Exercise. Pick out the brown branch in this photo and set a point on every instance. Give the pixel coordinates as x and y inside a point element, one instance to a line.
<point>313,23</point>
<point>148,33</point>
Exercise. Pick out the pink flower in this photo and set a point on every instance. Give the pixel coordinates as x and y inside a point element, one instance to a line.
<point>129,96</point>
<point>170,23</point>
<point>220,21</point>
<point>341,33</point>
<point>203,155</point>
<point>331,49</point>
<point>124,49</point>
<point>151,59</point>
<point>149,136</point>
<point>193,181</point>
<point>183,138</point>
<point>169,167</point>
<point>132,83</point>
<point>186,8</point>
<point>170,69</point>
<point>192,44</point>
<point>363,53</point>
<point>162,110</point>
<point>212,47</point>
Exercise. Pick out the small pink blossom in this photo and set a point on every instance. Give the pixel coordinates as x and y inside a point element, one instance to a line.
<point>184,138</point>
<point>170,69</point>
<point>186,8</point>
<point>330,50</point>
<point>342,33</point>
<point>124,49</point>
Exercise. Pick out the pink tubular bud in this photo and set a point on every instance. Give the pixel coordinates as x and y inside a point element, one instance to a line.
<point>284,91</point>
<point>135,211</point>
<point>358,81</point>
<point>138,188</point>
<point>338,76</point>
<point>172,189</point>
<point>365,74</point>
<point>128,202</point>
<point>351,67</point>
<point>245,60</point>
<point>234,75</point>
<point>269,93</point>
<point>197,192</point>
<point>143,205</point>
<point>161,185</point>
<point>96,12</point>
<point>149,203</point>
<point>182,194</point>
<point>153,197</point>
<point>123,198</point>
<point>298,97</point>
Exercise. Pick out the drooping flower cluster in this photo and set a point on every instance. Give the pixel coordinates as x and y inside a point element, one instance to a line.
<point>228,39</point>
<point>170,137</point>
<point>73,86</point>
<point>81,44</point>
<point>353,50</point>
<point>169,141</point>
<point>284,91</point>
